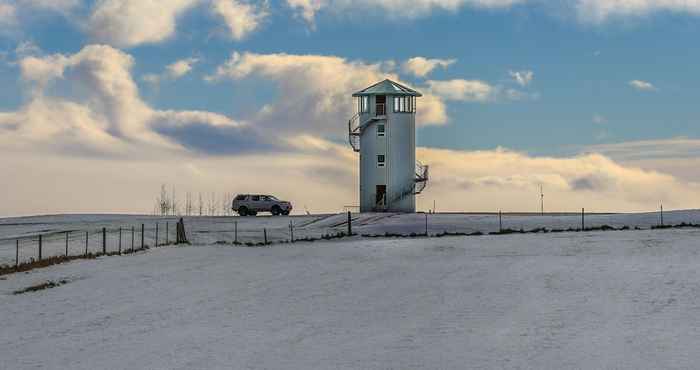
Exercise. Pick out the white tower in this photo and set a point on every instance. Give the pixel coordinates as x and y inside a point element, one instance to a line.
<point>383,131</point>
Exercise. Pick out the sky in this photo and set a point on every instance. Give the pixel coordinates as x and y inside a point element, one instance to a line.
<point>104,101</point>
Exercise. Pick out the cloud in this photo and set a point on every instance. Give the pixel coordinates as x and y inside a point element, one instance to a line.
<point>308,9</point>
<point>315,90</point>
<point>172,71</point>
<point>322,176</point>
<point>642,85</point>
<point>502,179</point>
<point>103,112</point>
<point>241,18</point>
<point>126,23</point>
<point>522,78</point>
<point>421,67</point>
<point>463,90</point>
<point>599,11</point>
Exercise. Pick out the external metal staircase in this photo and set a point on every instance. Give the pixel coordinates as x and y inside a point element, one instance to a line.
<point>355,129</point>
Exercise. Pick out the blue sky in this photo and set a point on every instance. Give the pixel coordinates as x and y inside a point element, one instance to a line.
<point>604,78</point>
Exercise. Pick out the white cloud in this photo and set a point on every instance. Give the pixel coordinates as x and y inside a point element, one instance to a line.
<point>242,18</point>
<point>421,67</point>
<point>308,9</point>
<point>181,67</point>
<point>128,23</point>
<point>602,10</point>
<point>642,85</point>
<point>522,78</point>
<point>8,14</point>
<point>102,111</point>
<point>463,90</point>
<point>316,90</point>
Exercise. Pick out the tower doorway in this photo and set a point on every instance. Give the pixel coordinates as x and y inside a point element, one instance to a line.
<point>381,105</point>
<point>381,196</point>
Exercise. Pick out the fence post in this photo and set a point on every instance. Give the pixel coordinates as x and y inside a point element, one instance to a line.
<point>142,234</point>
<point>235,232</point>
<point>167,241</point>
<point>426,224</point>
<point>17,254</point>
<point>500,221</point>
<point>67,233</point>
<point>583,219</point>
<point>86,242</point>
<point>291,230</point>
<point>120,240</point>
<point>349,224</point>
<point>265,235</point>
<point>662,214</point>
<point>156,235</point>
<point>132,240</point>
<point>40,246</point>
<point>104,240</point>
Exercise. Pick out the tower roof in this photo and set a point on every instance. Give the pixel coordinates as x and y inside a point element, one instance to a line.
<point>387,87</point>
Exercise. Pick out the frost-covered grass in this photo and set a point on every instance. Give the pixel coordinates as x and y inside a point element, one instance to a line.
<point>626,299</point>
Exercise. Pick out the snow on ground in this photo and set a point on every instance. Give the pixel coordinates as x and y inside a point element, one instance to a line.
<point>209,230</point>
<point>623,300</point>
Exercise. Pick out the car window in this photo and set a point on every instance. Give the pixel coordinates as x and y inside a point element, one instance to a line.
<point>241,197</point>
<point>256,198</point>
<point>272,197</point>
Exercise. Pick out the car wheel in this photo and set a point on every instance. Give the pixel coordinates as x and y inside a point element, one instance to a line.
<point>243,211</point>
<point>286,213</point>
<point>276,211</point>
<point>253,213</point>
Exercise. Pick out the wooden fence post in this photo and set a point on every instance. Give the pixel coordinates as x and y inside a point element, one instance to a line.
<point>265,235</point>
<point>86,242</point>
<point>40,247</point>
<point>662,215</point>
<point>349,224</point>
<point>120,240</point>
<point>291,231</point>
<point>142,234</point>
<point>156,235</point>
<point>500,222</point>
<point>426,224</point>
<point>132,240</point>
<point>104,240</point>
<point>167,240</point>
<point>67,233</point>
<point>17,254</point>
<point>235,232</point>
<point>583,219</point>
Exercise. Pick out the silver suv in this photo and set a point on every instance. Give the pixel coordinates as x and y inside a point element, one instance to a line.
<point>250,204</point>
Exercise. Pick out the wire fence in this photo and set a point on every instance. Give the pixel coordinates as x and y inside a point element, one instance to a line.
<point>67,241</point>
<point>70,244</point>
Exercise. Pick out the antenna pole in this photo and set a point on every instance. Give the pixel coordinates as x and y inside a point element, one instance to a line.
<point>541,200</point>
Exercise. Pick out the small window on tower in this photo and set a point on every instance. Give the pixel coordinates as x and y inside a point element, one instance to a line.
<point>381,160</point>
<point>364,104</point>
<point>381,129</point>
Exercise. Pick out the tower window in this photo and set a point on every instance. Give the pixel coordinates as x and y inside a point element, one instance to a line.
<point>363,104</point>
<point>381,129</point>
<point>404,104</point>
<point>381,160</point>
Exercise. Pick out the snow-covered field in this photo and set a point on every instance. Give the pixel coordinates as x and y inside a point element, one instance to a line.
<point>209,230</point>
<point>605,300</point>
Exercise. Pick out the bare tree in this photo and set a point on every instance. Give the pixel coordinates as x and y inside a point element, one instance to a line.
<point>163,202</point>
<point>188,204</point>
<point>174,208</point>
<point>201,205</point>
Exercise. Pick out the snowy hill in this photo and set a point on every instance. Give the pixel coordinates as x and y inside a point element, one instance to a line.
<point>590,300</point>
